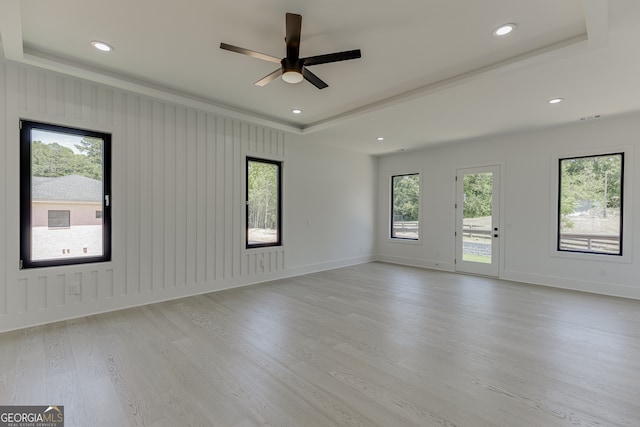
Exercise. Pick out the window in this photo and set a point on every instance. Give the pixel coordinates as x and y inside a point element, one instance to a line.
<point>590,204</point>
<point>59,219</point>
<point>264,204</point>
<point>65,180</point>
<point>405,206</point>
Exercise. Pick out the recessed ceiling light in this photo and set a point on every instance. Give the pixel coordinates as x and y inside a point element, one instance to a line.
<point>296,111</point>
<point>555,100</point>
<point>503,30</point>
<point>380,138</point>
<point>105,47</point>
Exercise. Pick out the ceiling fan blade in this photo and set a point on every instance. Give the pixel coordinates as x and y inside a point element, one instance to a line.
<point>313,79</point>
<point>332,57</point>
<point>294,28</point>
<point>266,79</point>
<point>248,52</point>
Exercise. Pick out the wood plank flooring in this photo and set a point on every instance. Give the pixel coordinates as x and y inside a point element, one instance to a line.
<point>370,345</point>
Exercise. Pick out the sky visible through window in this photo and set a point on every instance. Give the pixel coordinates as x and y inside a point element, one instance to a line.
<point>63,139</point>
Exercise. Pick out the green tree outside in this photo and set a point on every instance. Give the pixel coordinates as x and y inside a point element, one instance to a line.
<point>54,160</point>
<point>478,193</point>
<point>90,162</point>
<point>263,195</point>
<point>406,197</point>
<point>593,182</point>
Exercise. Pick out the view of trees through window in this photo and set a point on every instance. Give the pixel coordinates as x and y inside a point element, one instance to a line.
<point>263,203</point>
<point>477,218</point>
<point>405,197</point>
<point>478,191</point>
<point>50,159</point>
<point>590,204</point>
<point>63,172</point>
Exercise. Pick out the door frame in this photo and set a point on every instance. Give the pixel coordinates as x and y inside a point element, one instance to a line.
<point>497,265</point>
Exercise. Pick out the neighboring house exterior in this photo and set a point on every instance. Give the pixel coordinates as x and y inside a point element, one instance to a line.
<point>66,201</point>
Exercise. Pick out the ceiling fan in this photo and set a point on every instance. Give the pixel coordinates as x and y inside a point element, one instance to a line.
<point>293,69</point>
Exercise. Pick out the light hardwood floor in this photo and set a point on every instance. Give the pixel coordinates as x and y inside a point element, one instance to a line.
<point>369,345</point>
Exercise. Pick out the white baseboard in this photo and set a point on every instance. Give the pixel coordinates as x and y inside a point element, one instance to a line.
<point>414,262</point>
<point>88,308</point>
<point>331,265</point>
<point>20,321</point>
<point>601,288</point>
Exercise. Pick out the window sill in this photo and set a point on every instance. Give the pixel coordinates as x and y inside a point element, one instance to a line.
<point>404,241</point>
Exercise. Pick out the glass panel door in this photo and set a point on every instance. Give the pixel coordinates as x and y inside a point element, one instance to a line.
<point>477,221</point>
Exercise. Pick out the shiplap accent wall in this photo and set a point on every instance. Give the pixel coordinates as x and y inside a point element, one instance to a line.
<point>177,202</point>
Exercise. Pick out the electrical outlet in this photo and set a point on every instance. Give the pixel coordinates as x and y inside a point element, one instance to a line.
<point>74,288</point>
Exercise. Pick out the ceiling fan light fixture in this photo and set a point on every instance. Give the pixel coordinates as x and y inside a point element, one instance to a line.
<point>292,77</point>
<point>505,29</point>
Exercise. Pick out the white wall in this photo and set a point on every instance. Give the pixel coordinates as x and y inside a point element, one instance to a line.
<point>528,202</point>
<point>178,210</point>
<point>330,199</point>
